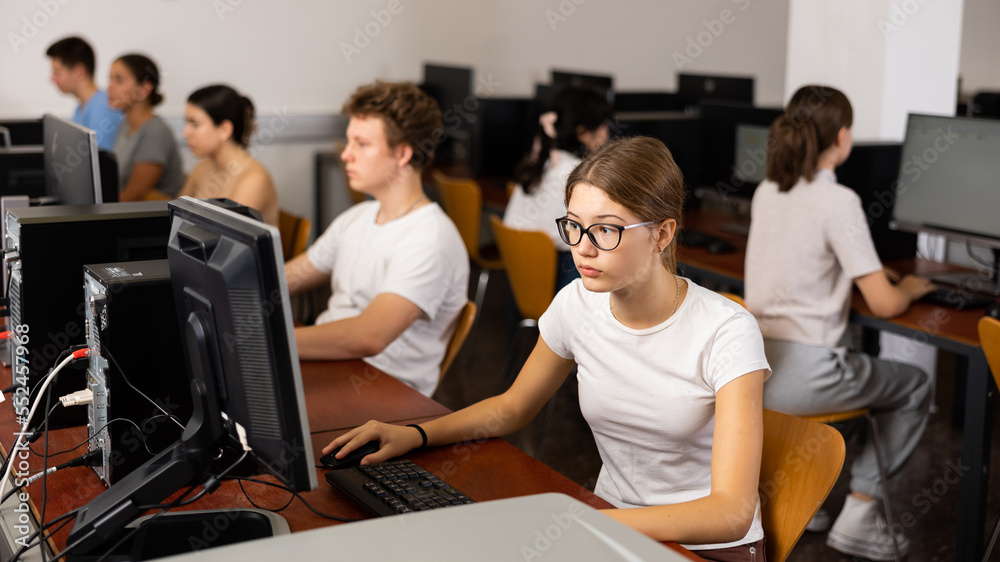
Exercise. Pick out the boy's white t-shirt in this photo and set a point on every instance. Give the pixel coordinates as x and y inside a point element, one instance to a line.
<point>420,257</point>
<point>805,248</point>
<point>649,395</point>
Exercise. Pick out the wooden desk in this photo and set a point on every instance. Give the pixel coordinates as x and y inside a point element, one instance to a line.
<point>942,327</point>
<point>484,470</point>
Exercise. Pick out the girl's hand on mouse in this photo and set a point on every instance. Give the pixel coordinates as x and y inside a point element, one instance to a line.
<point>393,439</point>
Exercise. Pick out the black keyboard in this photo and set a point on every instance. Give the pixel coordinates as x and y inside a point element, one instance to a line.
<point>394,487</point>
<point>958,300</point>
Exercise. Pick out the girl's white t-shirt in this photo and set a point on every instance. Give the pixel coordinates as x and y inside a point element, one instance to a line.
<point>649,395</point>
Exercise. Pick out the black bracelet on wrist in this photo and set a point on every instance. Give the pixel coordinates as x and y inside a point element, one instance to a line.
<point>423,434</point>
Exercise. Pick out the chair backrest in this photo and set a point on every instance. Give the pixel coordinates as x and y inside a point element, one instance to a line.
<point>989,338</point>
<point>463,202</point>
<point>294,233</point>
<point>800,463</point>
<point>462,327</point>
<point>530,260</point>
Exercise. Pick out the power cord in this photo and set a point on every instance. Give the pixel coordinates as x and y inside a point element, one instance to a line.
<point>294,495</point>
<point>92,458</point>
<point>45,384</point>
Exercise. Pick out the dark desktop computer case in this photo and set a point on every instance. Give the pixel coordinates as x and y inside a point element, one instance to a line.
<point>47,248</point>
<point>137,372</point>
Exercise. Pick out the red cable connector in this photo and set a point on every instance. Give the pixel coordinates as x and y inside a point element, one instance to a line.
<point>5,335</point>
<point>85,352</point>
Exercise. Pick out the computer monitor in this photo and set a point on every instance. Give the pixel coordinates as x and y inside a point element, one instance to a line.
<point>719,121</point>
<point>750,153</point>
<point>238,341</point>
<point>948,186</point>
<point>871,171</point>
<point>23,132</point>
<point>502,135</point>
<point>693,89</point>
<point>451,87</point>
<point>602,83</point>
<point>22,171</point>
<point>72,170</point>
<point>646,101</point>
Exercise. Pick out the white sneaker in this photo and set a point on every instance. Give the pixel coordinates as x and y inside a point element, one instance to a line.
<point>820,522</point>
<point>861,530</point>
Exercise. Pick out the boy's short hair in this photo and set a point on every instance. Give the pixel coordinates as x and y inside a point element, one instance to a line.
<point>72,51</point>
<point>409,114</point>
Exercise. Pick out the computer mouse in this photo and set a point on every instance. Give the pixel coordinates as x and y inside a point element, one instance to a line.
<point>719,246</point>
<point>352,459</point>
<point>993,310</point>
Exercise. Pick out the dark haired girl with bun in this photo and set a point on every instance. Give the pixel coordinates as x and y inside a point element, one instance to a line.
<point>809,244</point>
<point>149,165</point>
<point>575,124</point>
<point>218,124</point>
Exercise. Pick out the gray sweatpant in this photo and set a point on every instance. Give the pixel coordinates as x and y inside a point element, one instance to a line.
<point>809,380</point>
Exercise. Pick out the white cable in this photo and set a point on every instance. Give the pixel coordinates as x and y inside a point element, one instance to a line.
<point>17,442</point>
<point>38,475</point>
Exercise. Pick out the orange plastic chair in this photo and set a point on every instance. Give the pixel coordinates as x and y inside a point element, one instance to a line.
<point>838,417</point>
<point>462,327</point>
<point>793,486</point>
<point>294,233</point>
<point>463,202</point>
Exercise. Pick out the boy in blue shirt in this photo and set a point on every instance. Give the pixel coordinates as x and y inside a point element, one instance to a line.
<point>73,73</point>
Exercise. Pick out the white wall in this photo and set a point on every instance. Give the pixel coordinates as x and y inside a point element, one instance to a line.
<point>979,65</point>
<point>289,56</point>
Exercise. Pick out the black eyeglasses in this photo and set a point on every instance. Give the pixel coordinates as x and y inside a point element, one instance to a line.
<point>606,236</point>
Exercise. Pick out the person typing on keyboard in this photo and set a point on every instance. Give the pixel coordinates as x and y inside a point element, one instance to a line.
<point>809,243</point>
<point>670,374</point>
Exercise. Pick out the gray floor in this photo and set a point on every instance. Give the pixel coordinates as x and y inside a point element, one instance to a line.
<point>923,491</point>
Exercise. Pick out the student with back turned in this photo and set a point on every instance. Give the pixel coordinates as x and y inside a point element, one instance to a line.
<point>396,264</point>
<point>73,65</point>
<point>809,244</point>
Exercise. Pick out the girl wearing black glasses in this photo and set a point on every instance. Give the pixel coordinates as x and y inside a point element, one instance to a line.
<point>670,374</point>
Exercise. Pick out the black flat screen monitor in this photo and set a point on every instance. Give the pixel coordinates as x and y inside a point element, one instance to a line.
<point>598,82</point>
<point>949,182</point>
<point>22,171</point>
<point>451,87</point>
<point>72,169</point>
<point>23,132</point>
<point>646,101</point>
<point>871,171</point>
<point>693,89</point>
<point>722,174</point>
<point>238,341</point>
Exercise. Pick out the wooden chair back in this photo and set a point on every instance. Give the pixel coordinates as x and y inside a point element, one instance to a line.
<point>530,260</point>
<point>800,463</point>
<point>462,327</point>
